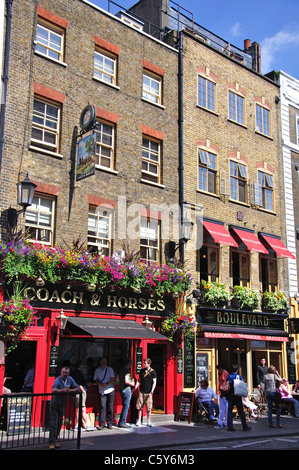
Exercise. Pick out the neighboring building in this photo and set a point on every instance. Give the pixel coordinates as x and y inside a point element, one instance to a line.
<point>61,60</point>
<point>232,160</point>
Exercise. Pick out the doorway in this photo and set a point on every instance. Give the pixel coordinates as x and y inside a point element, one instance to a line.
<point>17,364</point>
<point>157,352</point>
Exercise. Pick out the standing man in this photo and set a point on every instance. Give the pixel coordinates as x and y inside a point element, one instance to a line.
<point>147,383</point>
<point>223,404</point>
<point>105,379</point>
<point>235,400</point>
<point>261,371</point>
<point>125,384</point>
<point>62,384</point>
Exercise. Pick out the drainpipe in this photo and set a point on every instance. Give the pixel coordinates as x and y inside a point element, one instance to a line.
<point>181,147</point>
<point>5,76</point>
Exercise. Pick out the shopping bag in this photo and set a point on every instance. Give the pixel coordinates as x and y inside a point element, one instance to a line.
<point>240,387</point>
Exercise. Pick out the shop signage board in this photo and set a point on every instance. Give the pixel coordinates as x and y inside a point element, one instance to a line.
<point>185,406</point>
<point>189,365</point>
<point>19,415</point>
<point>77,298</point>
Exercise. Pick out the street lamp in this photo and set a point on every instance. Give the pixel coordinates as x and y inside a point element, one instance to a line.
<point>186,235</point>
<point>25,194</point>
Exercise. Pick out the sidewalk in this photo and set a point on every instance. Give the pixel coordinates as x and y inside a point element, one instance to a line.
<point>167,432</point>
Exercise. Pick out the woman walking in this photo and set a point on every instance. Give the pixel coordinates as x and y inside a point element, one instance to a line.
<point>272,380</point>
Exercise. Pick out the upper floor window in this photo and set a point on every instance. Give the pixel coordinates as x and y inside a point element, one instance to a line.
<point>208,261</point>
<point>236,107</point>
<point>264,191</point>
<point>99,230</point>
<point>104,145</point>
<point>238,181</point>
<point>207,171</point>
<point>45,125</point>
<point>39,222</point>
<point>149,239</point>
<point>262,120</point>
<point>151,160</point>
<point>268,272</point>
<point>105,67</point>
<point>152,87</point>
<point>240,263</point>
<point>297,129</point>
<point>49,41</point>
<point>206,97</point>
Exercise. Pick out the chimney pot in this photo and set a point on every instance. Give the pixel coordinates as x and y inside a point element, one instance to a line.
<point>247,44</point>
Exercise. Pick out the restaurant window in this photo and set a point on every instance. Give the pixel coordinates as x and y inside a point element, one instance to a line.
<point>268,273</point>
<point>207,171</point>
<point>240,268</point>
<point>39,224</point>
<point>238,181</point>
<point>100,222</point>
<point>149,239</point>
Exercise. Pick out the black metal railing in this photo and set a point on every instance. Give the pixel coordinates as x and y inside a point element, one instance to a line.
<point>25,419</point>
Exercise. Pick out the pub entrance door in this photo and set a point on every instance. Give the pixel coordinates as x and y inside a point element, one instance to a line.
<point>157,353</point>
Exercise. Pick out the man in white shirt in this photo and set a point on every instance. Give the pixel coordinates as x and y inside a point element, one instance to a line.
<point>206,395</point>
<point>105,379</point>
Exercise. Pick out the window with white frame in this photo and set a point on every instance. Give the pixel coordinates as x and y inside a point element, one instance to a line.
<point>207,168</point>
<point>104,156</point>
<point>45,125</point>
<point>206,96</point>
<point>262,119</point>
<point>151,160</point>
<point>236,107</point>
<point>49,41</point>
<point>297,129</point>
<point>105,67</point>
<point>149,239</point>
<point>264,191</point>
<point>100,230</point>
<point>238,181</point>
<point>39,222</point>
<point>152,88</point>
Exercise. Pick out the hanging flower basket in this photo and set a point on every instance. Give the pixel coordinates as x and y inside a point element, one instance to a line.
<point>17,316</point>
<point>178,327</point>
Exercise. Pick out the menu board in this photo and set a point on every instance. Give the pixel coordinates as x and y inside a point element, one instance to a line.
<point>202,368</point>
<point>185,406</point>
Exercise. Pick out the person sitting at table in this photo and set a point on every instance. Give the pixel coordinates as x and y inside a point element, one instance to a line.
<point>286,396</point>
<point>206,396</point>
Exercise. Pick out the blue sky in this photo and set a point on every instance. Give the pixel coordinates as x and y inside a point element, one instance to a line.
<point>272,23</point>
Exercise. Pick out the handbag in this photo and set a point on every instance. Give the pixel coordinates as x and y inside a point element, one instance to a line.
<point>224,387</point>
<point>240,387</point>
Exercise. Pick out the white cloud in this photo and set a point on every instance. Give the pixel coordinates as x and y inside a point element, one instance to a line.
<point>235,30</point>
<point>277,43</point>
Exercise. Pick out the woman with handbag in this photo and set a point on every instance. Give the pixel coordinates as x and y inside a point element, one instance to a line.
<point>272,380</point>
<point>235,399</point>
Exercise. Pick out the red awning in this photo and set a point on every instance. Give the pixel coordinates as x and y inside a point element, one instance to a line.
<point>278,246</point>
<point>251,241</point>
<point>219,233</point>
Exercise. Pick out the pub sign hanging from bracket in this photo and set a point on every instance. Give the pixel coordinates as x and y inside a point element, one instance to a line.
<point>86,143</point>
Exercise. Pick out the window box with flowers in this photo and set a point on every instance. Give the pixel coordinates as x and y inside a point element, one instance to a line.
<point>274,302</point>
<point>214,293</point>
<point>55,264</point>
<point>245,298</point>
